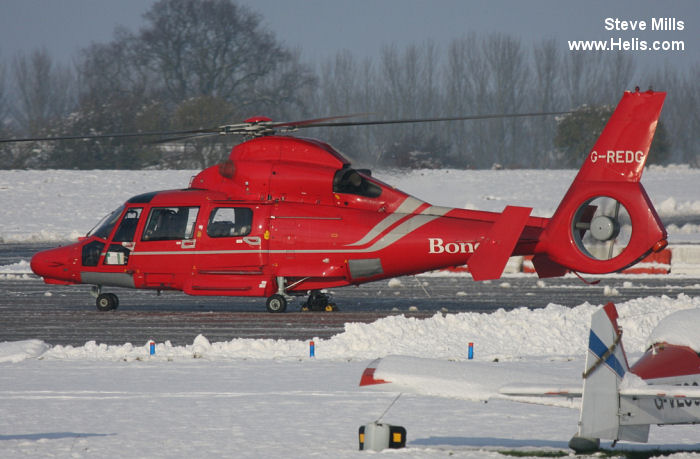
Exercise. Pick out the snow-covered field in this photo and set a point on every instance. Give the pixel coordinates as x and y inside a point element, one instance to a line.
<point>62,205</point>
<point>268,398</point>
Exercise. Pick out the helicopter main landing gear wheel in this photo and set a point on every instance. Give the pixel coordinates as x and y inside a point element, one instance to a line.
<point>276,303</point>
<point>107,302</point>
<point>318,301</point>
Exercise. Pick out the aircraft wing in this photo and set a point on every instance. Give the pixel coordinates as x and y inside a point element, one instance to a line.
<point>465,380</point>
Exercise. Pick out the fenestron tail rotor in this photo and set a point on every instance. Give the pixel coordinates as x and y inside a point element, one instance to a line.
<point>602,228</point>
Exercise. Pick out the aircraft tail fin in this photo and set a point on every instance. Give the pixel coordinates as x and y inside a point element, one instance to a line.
<point>606,222</point>
<point>606,365</point>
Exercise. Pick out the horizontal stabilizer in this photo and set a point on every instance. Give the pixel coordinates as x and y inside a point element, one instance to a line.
<point>689,393</point>
<point>490,258</point>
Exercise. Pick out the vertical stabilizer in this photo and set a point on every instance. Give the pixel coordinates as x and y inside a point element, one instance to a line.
<point>606,365</point>
<point>606,222</point>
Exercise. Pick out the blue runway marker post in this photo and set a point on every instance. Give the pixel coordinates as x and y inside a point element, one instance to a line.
<point>152,347</point>
<point>471,351</point>
<point>312,349</point>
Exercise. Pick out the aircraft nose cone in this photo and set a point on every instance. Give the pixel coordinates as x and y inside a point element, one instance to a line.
<point>54,264</point>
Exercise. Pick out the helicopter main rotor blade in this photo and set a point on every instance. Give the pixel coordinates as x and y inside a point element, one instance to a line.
<point>313,122</point>
<point>431,120</point>
<point>109,136</point>
<point>265,127</point>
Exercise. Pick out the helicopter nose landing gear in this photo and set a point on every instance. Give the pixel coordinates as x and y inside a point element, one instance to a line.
<point>107,302</point>
<point>104,301</point>
<point>318,301</point>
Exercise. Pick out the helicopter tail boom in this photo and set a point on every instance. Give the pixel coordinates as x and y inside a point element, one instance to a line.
<point>606,220</point>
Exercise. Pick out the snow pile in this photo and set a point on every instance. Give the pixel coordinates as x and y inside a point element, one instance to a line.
<point>681,328</point>
<point>671,207</point>
<point>554,332</point>
<point>506,335</point>
<point>201,348</point>
<point>19,270</point>
<point>18,351</point>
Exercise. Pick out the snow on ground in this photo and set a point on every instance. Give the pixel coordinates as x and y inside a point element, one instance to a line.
<point>63,205</point>
<point>268,398</point>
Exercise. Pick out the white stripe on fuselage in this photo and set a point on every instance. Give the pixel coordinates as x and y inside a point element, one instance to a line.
<point>408,206</point>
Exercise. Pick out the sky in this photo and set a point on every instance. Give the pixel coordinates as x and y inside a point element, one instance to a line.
<point>321,28</point>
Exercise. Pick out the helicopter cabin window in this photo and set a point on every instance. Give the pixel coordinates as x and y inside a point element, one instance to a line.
<point>349,181</point>
<point>230,222</point>
<point>170,223</point>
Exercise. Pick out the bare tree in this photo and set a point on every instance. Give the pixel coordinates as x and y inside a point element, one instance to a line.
<point>619,72</point>
<point>45,92</point>
<point>115,70</point>
<point>209,48</point>
<point>191,57</point>
<point>284,91</point>
<point>585,78</point>
<point>4,111</point>
<point>201,112</point>
<point>466,86</point>
<point>509,72</point>
<point>410,86</point>
<point>680,115</point>
<point>546,97</point>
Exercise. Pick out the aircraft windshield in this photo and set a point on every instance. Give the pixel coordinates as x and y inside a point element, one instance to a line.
<point>105,226</point>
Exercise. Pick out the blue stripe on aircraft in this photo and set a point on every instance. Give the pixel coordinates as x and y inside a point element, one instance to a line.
<point>599,348</point>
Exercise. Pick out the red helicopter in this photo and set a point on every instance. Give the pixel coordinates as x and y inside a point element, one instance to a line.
<point>287,216</point>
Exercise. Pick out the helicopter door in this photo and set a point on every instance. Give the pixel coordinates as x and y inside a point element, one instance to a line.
<point>164,254</point>
<point>110,269</point>
<point>232,251</point>
<point>122,242</point>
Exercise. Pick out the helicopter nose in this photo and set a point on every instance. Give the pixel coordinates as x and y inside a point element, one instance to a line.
<point>55,265</point>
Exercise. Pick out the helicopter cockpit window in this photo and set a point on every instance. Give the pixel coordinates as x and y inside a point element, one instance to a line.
<point>170,223</point>
<point>351,182</point>
<point>230,222</point>
<point>127,227</point>
<point>119,251</point>
<point>105,226</point>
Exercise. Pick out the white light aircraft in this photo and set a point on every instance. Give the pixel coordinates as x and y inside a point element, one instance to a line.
<point>618,402</point>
